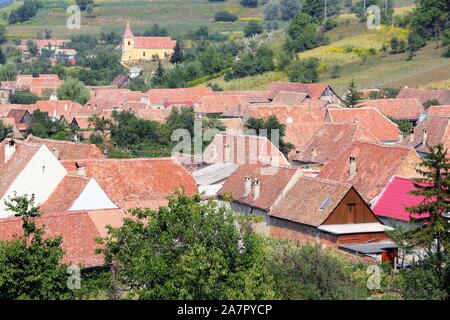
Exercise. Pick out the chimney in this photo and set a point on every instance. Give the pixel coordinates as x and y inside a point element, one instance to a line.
<point>314,153</point>
<point>81,169</point>
<point>400,136</point>
<point>353,169</point>
<point>424,137</point>
<point>10,149</point>
<point>256,189</point>
<point>247,185</point>
<point>411,137</point>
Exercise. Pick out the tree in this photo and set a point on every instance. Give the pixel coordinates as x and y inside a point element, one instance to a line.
<point>253,28</point>
<point>188,250</point>
<point>90,10</point>
<point>23,97</point>
<point>225,16</point>
<point>352,96</point>
<point>2,57</point>
<point>30,266</point>
<point>446,43</point>
<point>32,48</point>
<point>302,34</point>
<point>158,75</point>
<point>304,70</point>
<point>100,125</point>
<point>252,64</point>
<point>43,126</point>
<point>309,273</point>
<point>8,72</point>
<point>181,118</point>
<point>430,103</point>
<point>74,90</point>
<point>177,55</point>
<point>5,130</point>
<point>249,3</point>
<point>3,38</point>
<point>82,4</point>
<point>271,127</point>
<point>316,9</point>
<point>432,231</point>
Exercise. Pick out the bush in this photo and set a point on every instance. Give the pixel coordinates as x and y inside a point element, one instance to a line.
<point>225,16</point>
<point>249,3</point>
<point>253,28</point>
<point>304,70</point>
<point>330,24</point>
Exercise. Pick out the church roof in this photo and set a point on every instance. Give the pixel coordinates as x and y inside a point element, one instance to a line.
<point>127,33</point>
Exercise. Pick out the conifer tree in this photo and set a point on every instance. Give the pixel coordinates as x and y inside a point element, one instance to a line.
<point>352,95</point>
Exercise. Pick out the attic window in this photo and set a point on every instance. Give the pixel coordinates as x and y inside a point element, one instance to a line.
<point>325,203</point>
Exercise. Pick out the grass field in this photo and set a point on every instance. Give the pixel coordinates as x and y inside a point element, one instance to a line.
<point>174,15</point>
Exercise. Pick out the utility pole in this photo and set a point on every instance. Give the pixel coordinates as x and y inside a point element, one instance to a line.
<point>325,12</point>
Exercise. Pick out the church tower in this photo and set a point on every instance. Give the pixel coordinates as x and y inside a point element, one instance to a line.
<point>127,42</point>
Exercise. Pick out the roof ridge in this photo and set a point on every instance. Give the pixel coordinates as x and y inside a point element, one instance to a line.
<point>327,181</point>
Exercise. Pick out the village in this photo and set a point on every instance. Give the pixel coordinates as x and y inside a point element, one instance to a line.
<point>303,164</point>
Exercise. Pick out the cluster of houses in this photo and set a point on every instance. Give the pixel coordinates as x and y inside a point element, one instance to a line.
<point>345,183</point>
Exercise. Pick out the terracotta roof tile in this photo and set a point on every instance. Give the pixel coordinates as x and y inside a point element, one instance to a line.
<point>371,119</point>
<point>159,96</point>
<point>438,131</point>
<point>287,114</point>
<point>399,109</point>
<point>290,98</point>
<point>251,96</point>
<point>439,111</point>
<point>17,114</point>
<point>240,149</point>
<point>305,202</point>
<point>67,150</point>
<point>375,165</point>
<point>273,180</point>
<point>154,43</point>
<point>443,96</point>
<point>11,122</point>
<point>158,115</point>
<point>314,90</point>
<point>134,183</point>
<point>222,104</point>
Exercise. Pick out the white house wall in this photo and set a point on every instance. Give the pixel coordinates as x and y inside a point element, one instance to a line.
<point>92,198</point>
<point>40,177</point>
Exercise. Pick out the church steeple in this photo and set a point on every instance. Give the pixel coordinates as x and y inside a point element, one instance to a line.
<point>127,33</point>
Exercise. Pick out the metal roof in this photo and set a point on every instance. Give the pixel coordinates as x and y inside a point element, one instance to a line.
<point>354,228</point>
<point>369,248</point>
<point>214,173</point>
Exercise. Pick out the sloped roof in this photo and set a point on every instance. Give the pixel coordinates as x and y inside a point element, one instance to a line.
<point>17,114</point>
<point>310,201</point>
<point>300,134</point>
<point>400,109</point>
<point>395,198</point>
<point>132,183</point>
<point>330,140</point>
<point>240,149</point>
<point>154,43</point>
<point>443,96</point>
<point>290,98</point>
<point>65,194</point>
<point>314,90</point>
<point>371,119</point>
<point>375,164</point>
<point>439,111</point>
<point>222,104</point>
<point>251,96</point>
<point>158,115</point>
<point>287,114</point>
<point>159,96</point>
<point>438,131</point>
<point>273,180</point>
<point>11,122</point>
<point>67,150</point>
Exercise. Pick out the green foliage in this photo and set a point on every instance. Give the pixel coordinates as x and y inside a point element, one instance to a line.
<point>352,96</point>
<point>308,273</point>
<point>405,126</point>
<point>156,31</point>
<point>225,16</point>
<point>5,130</point>
<point>25,12</point>
<point>446,43</point>
<point>430,103</point>
<point>23,97</point>
<point>273,129</point>
<point>181,118</point>
<point>188,250</point>
<point>316,9</point>
<point>281,9</point>
<point>252,64</point>
<point>303,70</point>
<point>249,3</point>
<point>303,34</point>
<point>84,3</point>
<point>8,72</point>
<point>177,55</point>
<point>30,266</point>
<point>429,18</point>
<point>74,90</point>
<point>253,28</point>
<point>43,126</point>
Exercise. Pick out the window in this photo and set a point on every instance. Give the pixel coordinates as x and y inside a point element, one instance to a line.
<point>351,217</point>
<point>143,54</point>
<point>129,43</point>
<point>351,208</point>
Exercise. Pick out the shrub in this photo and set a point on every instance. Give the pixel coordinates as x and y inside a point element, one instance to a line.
<point>225,16</point>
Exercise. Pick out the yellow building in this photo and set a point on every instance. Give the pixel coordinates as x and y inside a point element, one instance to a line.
<point>144,48</point>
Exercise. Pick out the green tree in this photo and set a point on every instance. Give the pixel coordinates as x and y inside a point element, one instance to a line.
<point>188,250</point>
<point>446,43</point>
<point>181,118</point>
<point>303,70</point>
<point>30,266</point>
<point>32,48</point>
<point>432,231</point>
<point>253,28</point>
<point>158,75</point>
<point>8,72</point>
<point>430,103</point>
<point>74,90</point>
<point>5,130</point>
<point>273,128</point>
<point>84,3</point>
<point>249,3</point>
<point>352,96</point>
<point>2,57</point>
<point>303,34</point>
<point>177,55</point>
<point>316,9</point>
<point>101,127</point>
<point>23,97</point>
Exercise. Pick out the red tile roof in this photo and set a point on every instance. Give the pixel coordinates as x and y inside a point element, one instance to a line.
<point>443,96</point>
<point>304,202</point>
<point>438,131</point>
<point>371,119</point>
<point>273,181</point>
<point>314,90</point>
<point>38,85</point>
<point>223,104</point>
<point>65,194</point>
<point>158,115</point>
<point>287,114</point>
<point>17,114</point>
<point>399,109</point>
<point>67,150</point>
<point>375,165</point>
<point>134,183</point>
<point>159,96</point>
<point>439,111</point>
<point>240,149</point>
<point>154,43</point>
<point>11,122</point>
<point>251,96</point>
<point>395,198</point>
<point>329,141</point>
<point>290,98</point>
<point>300,134</point>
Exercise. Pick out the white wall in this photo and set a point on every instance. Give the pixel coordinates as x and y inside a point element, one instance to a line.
<point>40,177</point>
<point>92,198</point>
